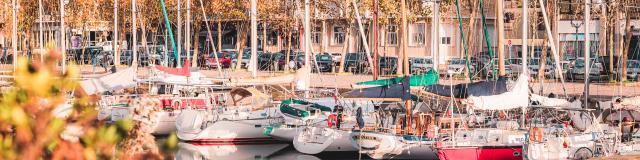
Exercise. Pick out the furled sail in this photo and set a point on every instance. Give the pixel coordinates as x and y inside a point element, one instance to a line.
<point>393,92</point>
<point>482,88</point>
<point>122,79</point>
<point>429,78</point>
<point>518,97</point>
<point>549,102</point>
<point>184,71</point>
<point>632,103</point>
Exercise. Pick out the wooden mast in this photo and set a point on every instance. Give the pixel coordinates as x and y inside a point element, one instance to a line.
<point>500,30</point>
<point>405,61</point>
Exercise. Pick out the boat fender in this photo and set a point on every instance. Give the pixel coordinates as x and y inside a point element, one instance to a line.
<point>176,104</point>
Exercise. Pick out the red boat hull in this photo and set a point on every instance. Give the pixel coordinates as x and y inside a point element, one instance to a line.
<point>481,153</point>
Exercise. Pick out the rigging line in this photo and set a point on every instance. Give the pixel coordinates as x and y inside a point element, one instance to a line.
<point>487,39</point>
<point>464,42</point>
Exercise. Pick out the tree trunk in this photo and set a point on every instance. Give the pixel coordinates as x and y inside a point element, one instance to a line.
<point>264,37</point>
<point>241,42</point>
<point>543,59</point>
<point>286,57</point>
<point>345,48</point>
<point>219,36</point>
<point>627,43</point>
<point>196,40</point>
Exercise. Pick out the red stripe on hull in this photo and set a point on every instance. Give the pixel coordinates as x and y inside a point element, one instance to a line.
<point>481,153</point>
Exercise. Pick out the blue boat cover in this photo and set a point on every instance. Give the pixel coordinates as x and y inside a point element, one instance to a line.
<point>482,88</point>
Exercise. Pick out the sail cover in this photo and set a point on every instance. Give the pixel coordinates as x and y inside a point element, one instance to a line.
<point>122,79</point>
<point>632,103</point>
<point>429,78</point>
<point>516,98</point>
<point>399,91</point>
<point>184,71</point>
<point>549,102</point>
<point>482,88</point>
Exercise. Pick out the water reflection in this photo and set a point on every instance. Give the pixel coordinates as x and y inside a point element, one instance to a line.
<point>194,151</point>
<point>282,151</point>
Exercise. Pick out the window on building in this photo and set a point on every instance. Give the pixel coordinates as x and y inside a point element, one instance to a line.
<point>392,35</point>
<point>446,40</point>
<point>272,38</point>
<point>417,34</point>
<point>316,35</point>
<point>338,35</point>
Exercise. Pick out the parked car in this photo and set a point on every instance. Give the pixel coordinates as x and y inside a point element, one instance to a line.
<point>420,65</point>
<point>223,59</point>
<point>534,67</point>
<point>324,62</point>
<point>633,69</point>
<point>457,66</point>
<point>356,62</point>
<point>388,65</point>
<point>516,65</point>
<point>268,61</point>
<point>577,70</point>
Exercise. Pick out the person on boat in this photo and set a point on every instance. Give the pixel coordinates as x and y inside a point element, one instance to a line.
<point>627,129</point>
<point>338,110</point>
<point>359,119</point>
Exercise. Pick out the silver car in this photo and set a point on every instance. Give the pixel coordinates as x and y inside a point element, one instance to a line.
<point>577,70</point>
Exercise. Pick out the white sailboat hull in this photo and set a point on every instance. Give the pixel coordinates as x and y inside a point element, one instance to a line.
<point>229,131</point>
<point>386,146</point>
<point>201,126</point>
<point>314,140</point>
<point>163,122</point>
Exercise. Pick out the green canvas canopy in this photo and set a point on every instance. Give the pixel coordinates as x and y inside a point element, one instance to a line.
<point>429,78</point>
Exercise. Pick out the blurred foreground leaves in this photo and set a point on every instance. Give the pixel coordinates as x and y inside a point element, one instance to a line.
<point>47,116</point>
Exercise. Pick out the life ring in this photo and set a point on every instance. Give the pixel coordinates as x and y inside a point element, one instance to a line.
<point>176,104</point>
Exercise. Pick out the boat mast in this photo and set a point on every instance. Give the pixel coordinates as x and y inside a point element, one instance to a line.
<point>62,37</point>
<point>215,54</point>
<point>114,41</point>
<point>405,67</point>
<point>552,44</point>
<point>170,32</point>
<point>187,37</point>
<point>435,35</point>
<point>254,40</point>
<point>500,16</point>
<point>41,36</point>
<point>134,35</point>
<point>14,34</point>
<point>364,38</point>
<point>178,59</point>
<point>525,46</point>
<point>375,40</point>
<point>587,51</point>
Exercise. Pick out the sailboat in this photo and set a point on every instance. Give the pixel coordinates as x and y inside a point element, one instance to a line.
<point>240,119</point>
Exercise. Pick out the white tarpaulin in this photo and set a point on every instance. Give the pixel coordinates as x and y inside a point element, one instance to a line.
<point>122,79</point>
<point>549,102</point>
<point>517,97</point>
